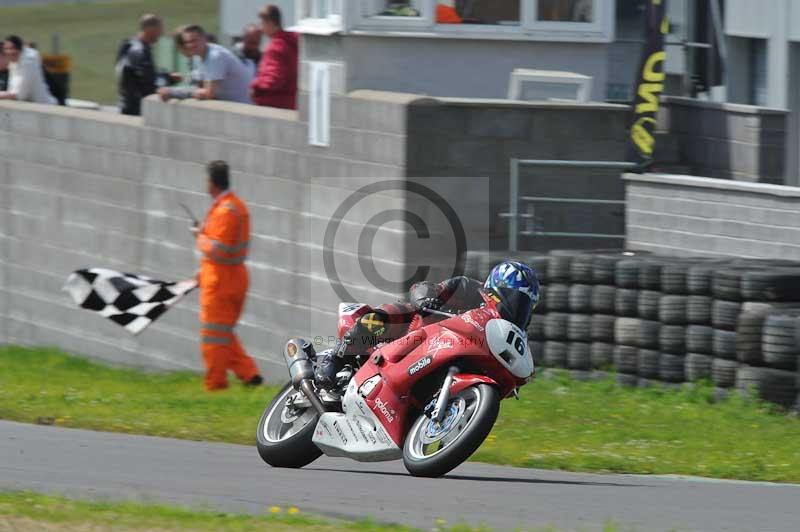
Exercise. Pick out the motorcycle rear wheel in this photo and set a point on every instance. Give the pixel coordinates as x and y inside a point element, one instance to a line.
<point>284,436</point>
<point>432,450</point>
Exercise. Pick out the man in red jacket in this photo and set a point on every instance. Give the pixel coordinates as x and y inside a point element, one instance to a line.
<point>275,84</point>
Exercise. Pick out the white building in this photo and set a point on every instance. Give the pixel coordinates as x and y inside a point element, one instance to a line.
<point>741,51</point>
<point>404,46</point>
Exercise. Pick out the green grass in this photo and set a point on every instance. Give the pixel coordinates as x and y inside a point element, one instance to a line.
<point>558,423</point>
<point>47,386</point>
<point>30,511</point>
<point>23,510</point>
<point>92,32</point>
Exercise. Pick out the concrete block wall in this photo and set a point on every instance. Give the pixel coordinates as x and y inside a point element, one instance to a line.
<point>81,188</point>
<point>697,216</point>
<point>478,138</point>
<point>728,141</point>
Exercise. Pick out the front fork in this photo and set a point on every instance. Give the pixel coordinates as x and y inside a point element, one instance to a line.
<point>440,407</point>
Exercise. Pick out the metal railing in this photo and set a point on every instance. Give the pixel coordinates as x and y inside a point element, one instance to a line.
<point>514,216</point>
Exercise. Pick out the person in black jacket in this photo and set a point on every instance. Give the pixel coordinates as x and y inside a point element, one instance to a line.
<point>3,71</point>
<point>136,70</point>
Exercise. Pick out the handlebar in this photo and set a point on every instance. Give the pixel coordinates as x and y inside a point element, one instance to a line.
<point>439,312</point>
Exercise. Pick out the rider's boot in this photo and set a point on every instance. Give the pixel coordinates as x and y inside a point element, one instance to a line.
<point>329,363</point>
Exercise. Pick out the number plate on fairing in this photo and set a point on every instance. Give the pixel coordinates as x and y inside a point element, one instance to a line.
<point>357,434</point>
<point>509,344</point>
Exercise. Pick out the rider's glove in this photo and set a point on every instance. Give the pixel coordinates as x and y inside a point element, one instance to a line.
<point>425,296</point>
<point>428,303</point>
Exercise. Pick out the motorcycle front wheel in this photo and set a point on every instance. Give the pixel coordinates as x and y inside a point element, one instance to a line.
<point>434,449</point>
<point>284,436</point>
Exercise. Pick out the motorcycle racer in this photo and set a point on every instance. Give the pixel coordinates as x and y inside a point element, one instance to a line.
<point>513,285</point>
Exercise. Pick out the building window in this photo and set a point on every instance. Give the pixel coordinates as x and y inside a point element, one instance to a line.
<point>565,11</point>
<point>564,20</point>
<point>757,61</point>
<point>481,12</point>
<point>388,14</point>
<point>320,14</point>
<point>386,8</point>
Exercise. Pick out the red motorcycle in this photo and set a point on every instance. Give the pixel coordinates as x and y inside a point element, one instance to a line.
<point>430,397</point>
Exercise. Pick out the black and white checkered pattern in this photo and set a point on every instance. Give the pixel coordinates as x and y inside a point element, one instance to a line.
<point>130,300</point>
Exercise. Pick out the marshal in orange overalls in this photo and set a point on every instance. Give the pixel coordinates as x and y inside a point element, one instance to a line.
<point>224,240</point>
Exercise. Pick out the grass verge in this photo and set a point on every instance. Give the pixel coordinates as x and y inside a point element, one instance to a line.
<point>30,511</point>
<point>558,423</point>
<point>46,513</point>
<point>90,32</point>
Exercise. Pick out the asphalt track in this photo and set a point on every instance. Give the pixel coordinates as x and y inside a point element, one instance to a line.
<point>79,463</point>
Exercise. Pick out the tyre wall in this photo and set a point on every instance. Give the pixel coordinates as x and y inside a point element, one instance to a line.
<point>651,318</point>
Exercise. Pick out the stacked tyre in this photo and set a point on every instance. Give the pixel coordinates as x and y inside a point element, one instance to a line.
<point>650,318</point>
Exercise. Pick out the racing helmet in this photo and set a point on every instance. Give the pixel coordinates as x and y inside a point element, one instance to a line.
<point>516,286</point>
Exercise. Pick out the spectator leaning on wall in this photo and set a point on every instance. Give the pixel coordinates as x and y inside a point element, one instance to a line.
<point>275,84</point>
<point>3,71</point>
<point>136,70</point>
<point>248,49</point>
<point>25,74</point>
<point>223,75</point>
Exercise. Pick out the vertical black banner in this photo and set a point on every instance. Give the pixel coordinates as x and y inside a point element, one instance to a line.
<point>649,85</point>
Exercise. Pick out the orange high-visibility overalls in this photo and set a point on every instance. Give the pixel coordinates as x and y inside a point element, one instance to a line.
<point>224,240</point>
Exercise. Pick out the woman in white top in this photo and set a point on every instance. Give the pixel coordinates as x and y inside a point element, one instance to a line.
<point>25,75</point>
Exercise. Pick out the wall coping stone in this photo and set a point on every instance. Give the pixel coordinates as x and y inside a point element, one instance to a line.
<point>402,98</point>
<point>235,108</point>
<point>715,183</point>
<point>71,112</point>
<point>723,106</point>
<point>525,104</point>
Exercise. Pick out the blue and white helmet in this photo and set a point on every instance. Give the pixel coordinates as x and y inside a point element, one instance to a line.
<point>510,280</point>
<point>516,275</point>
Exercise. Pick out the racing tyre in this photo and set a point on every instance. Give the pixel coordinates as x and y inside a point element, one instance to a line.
<point>649,332</point>
<point>724,314</point>
<point>579,356</point>
<point>284,434</point>
<point>698,310</point>
<point>626,273</point>
<point>580,298</point>
<point>697,367</point>
<point>723,372</point>
<point>672,339</point>
<point>558,298</point>
<point>604,299</point>
<point>603,328</point>
<point>555,354</point>
<point>648,363</point>
<point>672,310</point>
<point>602,355</point>
<point>648,304</point>
<point>627,302</point>
<point>700,339</point>
<point>433,450</point>
<point>650,275</point>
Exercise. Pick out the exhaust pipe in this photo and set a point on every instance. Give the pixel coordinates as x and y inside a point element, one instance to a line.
<point>298,353</point>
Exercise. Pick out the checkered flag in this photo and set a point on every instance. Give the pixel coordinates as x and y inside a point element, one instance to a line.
<point>133,301</point>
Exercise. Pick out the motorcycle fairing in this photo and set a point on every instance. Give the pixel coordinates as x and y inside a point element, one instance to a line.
<point>348,315</point>
<point>357,433</point>
<point>413,357</point>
